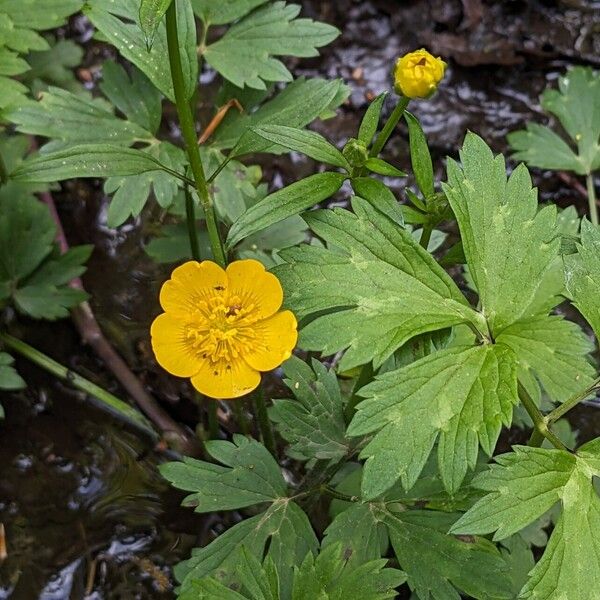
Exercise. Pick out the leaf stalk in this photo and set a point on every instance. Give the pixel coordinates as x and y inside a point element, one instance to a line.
<point>188,131</point>
<point>591,193</point>
<point>389,126</point>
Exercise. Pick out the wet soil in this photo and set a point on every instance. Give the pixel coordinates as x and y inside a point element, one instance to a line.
<point>80,498</point>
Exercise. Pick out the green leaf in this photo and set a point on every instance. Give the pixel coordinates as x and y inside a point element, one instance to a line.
<point>539,146</point>
<point>136,98</point>
<point>173,244</point>
<point>86,160</point>
<point>19,39</point>
<point>437,563</point>
<point>556,351</point>
<point>508,243</point>
<point>245,54</point>
<point>373,292</point>
<point>419,155</point>
<point>284,203</point>
<point>26,236</point>
<point>310,143</point>
<point>314,423</point>
<point>379,196</point>
<point>575,103</point>
<point>370,121</point>
<point>54,66</point>
<point>9,378</point>
<point>582,273</point>
<point>11,63</point>
<point>463,395</point>
<point>70,119</point>
<point>329,576</point>
<point>250,476</point>
<point>47,301</point>
<point>30,276</point>
<point>151,14</point>
<point>131,192</point>
<point>284,527</point>
<point>361,532</point>
<point>379,166</point>
<point>31,14</point>
<point>224,11</point>
<point>521,487</point>
<point>119,23</point>
<point>297,105</point>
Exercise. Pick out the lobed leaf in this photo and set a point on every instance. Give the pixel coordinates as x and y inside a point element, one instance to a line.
<point>245,54</point>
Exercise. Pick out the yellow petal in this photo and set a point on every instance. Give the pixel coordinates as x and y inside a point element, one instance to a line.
<point>191,283</point>
<point>171,348</point>
<point>276,338</point>
<point>226,380</point>
<point>249,280</point>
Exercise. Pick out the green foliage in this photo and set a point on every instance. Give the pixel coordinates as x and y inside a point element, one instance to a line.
<point>285,203</point>
<point>420,156</point>
<point>299,103</point>
<point>583,275</point>
<point>87,160</point>
<point>370,121</point>
<point>9,378</point>
<point>313,424</point>
<point>151,14</point>
<point>464,395</point>
<point>20,24</point>
<point>245,54</point>
<point>324,577</point>
<point>226,11</point>
<point>310,143</point>
<point>32,275</point>
<point>435,563</point>
<point>250,476</point>
<point>363,290</point>
<point>508,243</point>
<point>521,487</point>
<point>575,104</point>
<point>119,23</point>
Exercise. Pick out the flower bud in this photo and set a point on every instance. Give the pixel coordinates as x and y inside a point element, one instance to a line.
<point>417,74</point>
<point>355,152</point>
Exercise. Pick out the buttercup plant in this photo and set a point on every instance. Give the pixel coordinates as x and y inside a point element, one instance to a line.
<point>382,477</point>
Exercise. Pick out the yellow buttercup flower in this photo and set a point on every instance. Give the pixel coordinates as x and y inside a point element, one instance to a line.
<point>222,327</point>
<point>418,73</point>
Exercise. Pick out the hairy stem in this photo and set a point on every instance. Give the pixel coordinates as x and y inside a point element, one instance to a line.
<point>188,131</point>
<point>540,423</point>
<point>191,224</point>
<point>389,126</point>
<point>572,402</point>
<point>106,399</point>
<point>591,193</point>
<point>426,236</point>
<point>3,171</point>
<point>266,431</point>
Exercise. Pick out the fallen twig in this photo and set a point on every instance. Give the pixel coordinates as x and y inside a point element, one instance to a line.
<point>91,334</point>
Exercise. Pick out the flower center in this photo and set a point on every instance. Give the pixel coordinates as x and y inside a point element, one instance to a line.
<point>221,328</point>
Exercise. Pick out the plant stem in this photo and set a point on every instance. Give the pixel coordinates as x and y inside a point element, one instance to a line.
<point>591,192</point>
<point>3,171</point>
<point>266,431</point>
<point>389,126</point>
<point>426,236</point>
<point>213,419</point>
<point>573,401</point>
<point>188,131</point>
<point>337,495</point>
<point>540,423</point>
<point>106,399</point>
<point>240,416</point>
<point>191,224</point>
